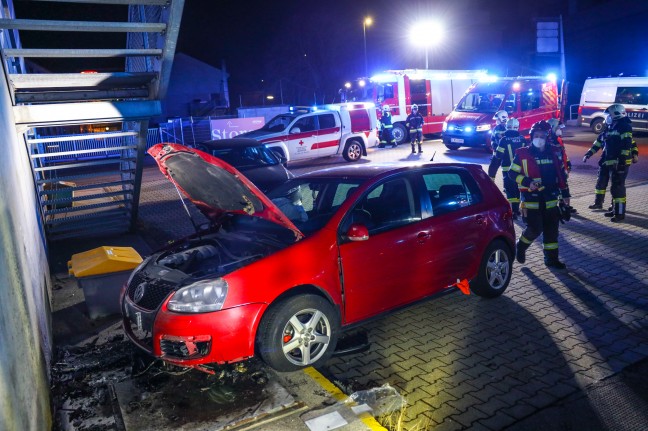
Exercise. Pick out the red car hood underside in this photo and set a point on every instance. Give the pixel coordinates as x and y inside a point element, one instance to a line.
<point>214,186</point>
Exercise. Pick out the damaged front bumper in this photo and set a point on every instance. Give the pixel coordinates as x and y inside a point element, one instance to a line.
<point>192,340</point>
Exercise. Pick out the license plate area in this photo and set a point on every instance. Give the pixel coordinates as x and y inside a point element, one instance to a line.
<point>457,140</point>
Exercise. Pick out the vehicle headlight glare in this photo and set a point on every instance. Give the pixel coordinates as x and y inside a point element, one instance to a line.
<point>483,127</point>
<point>468,129</point>
<point>200,297</point>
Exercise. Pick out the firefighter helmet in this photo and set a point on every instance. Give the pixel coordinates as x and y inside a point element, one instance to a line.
<point>386,108</point>
<point>501,117</point>
<point>513,124</point>
<point>608,119</point>
<point>616,110</point>
<point>540,126</point>
<point>415,107</point>
<point>555,124</point>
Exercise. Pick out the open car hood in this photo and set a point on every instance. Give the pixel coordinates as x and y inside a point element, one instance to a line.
<point>214,186</point>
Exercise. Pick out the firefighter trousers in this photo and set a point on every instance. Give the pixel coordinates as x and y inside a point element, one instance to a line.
<point>618,188</point>
<point>512,193</point>
<point>543,221</point>
<point>602,180</point>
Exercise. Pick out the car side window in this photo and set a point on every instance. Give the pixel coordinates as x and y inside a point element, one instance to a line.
<point>530,99</point>
<point>389,205</point>
<point>326,121</point>
<point>306,124</point>
<point>450,191</point>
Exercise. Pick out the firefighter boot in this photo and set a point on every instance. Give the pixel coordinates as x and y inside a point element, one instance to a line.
<point>420,148</point>
<point>520,251</point>
<point>551,259</point>
<point>610,211</point>
<point>413,148</point>
<point>598,203</point>
<point>515,207</point>
<point>619,212</point>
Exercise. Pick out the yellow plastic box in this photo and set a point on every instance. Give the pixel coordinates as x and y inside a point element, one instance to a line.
<point>101,273</point>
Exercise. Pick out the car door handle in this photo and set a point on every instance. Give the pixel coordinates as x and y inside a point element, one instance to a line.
<point>480,219</point>
<point>423,236</point>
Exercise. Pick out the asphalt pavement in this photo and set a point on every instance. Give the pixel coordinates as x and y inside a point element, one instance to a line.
<point>560,350</point>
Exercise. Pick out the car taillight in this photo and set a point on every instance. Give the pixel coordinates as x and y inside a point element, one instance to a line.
<point>580,109</point>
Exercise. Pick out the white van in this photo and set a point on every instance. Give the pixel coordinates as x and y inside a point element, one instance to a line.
<point>599,93</point>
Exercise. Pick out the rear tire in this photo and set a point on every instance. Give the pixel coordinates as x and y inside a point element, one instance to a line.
<point>399,134</point>
<point>452,147</point>
<point>494,271</point>
<point>352,151</point>
<point>298,332</point>
<point>597,125</point>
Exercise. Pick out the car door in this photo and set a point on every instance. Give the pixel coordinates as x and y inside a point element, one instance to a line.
<point>302,138</point>
<point>391,266</point>
<point>456,222</point>
<point>328,134</point>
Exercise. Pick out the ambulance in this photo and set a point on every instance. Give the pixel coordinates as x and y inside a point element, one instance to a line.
<point>599,93</point>
<point>526,98</point>
<point>434,91</point>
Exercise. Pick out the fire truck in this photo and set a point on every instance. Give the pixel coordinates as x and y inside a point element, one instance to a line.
<point>436,92</point>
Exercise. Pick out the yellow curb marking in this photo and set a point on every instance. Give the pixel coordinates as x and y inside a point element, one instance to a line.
<point>329,387</point>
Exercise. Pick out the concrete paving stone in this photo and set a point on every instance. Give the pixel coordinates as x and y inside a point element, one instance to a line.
<point>449,425</point>
<point>473,366</point>
<point>435,376</point>
<point>464,402</point>
<point>562,388</point>
<point>640,349</point>
<point>428,364</point>
<point>460,390</point>
<point>520,410</point>
<point>441,398</point>
<point>491,406</point>
<point>616,364</point>
<point>533,387</point>
<point>469,417</point>
<point>480,382</point>
<point>512,396</point>
<point>497,422</point>
<point>585,378</point>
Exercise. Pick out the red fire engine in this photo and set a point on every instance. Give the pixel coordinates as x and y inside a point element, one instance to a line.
<point>436,92</point>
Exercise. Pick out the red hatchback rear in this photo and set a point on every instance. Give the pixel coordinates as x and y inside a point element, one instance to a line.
<point>281,275</point>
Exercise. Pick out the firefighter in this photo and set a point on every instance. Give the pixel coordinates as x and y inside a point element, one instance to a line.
<point>555,138</point>
<point>603,177</point>
<point>508,145</point>
<point>501,117</point>
<point>540,174</point>
<point>386,127</point>
<point>414,123</point>
<point>617,155</point>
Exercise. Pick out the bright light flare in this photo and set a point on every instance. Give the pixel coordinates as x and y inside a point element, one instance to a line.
<point>552,77</point>
<point>427,33</point>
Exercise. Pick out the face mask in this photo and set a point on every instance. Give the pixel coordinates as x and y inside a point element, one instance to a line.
<point>538,142</point>
<point>558,132</point>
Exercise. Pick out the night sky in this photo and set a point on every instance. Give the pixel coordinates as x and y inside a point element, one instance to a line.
<point>309,49</point>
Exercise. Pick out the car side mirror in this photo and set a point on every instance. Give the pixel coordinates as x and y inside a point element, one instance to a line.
<point>358,232</point>
<point>295,130</point>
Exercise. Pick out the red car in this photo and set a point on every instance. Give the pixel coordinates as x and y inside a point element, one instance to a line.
<point>279,276</point>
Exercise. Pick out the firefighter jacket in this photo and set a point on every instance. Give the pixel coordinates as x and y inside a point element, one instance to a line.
<point>414,122</point>
<point>505,152</point>
<point>531,164</point>
<point>557,140</point>
<point>386,122</point>
<point>497,134</point>
<point>599,143</point>
<point>618,142</point>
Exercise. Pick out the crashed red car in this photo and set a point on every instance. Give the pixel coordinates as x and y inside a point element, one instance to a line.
<point>280,276</point>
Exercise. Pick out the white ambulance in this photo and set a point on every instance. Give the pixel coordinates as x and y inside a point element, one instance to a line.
<point>599,93</point>
<point>346,129</point>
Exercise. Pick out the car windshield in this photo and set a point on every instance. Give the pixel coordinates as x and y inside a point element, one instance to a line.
<point>246,157</point>
<point>480,102</point>
<point>278,123</point>
<point>310,203</point>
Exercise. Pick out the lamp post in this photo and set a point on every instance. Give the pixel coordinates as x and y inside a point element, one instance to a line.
<point>365,23</point>
<point>428,34</point>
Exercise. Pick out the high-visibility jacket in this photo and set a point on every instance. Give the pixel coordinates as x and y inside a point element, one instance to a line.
<point>505,152</point>
<point>618,142</point>
<point>599,143</point>
<point>386,122</point>
<point>414,122</point>
<point>497,134</point>
<point>529,165</point>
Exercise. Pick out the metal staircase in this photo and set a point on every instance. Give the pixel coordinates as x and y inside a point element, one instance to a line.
<point>85,133</point>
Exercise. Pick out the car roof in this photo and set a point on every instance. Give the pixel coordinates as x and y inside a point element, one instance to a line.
<point>371,170</point>
<point>232,143</point>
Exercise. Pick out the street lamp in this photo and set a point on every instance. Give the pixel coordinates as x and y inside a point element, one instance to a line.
<point>428,33</point>
<point>365,23</point>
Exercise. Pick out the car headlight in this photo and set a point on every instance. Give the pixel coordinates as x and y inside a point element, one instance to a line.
<point>468,129</point>
<point>483,127</point>
<point>200,297</point>
<point>445,126</point>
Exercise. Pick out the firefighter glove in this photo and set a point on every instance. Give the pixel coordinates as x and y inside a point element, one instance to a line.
<point>635,158</point>
<point>585,157</point>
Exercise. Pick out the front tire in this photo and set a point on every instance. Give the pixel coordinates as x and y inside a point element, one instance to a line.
<point>352,151</point>
<point>597,125</point>
<point>298,332</point>
<point>494,271</point>
<point>452,147</point>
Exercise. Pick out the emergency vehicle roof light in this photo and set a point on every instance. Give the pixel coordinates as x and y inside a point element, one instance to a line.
<point>552,77</point>
<point>488,78</point>
<point>362,83</point>
<point>383,77</point>
<point>516,85</point>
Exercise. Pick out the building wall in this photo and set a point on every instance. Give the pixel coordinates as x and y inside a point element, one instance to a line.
<point>25,332</point>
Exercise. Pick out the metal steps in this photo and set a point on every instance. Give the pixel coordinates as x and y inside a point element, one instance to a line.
<point>88,180</point>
